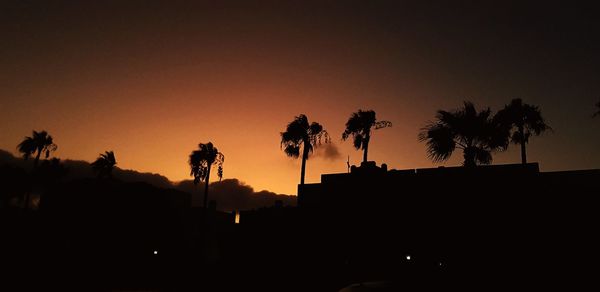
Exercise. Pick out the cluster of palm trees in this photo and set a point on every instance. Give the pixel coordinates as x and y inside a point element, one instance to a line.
<point>479,133</point>
<point>300,133</point>
<point>299,139</point>
<point>41,143</point>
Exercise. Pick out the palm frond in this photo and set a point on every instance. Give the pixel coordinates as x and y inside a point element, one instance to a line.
<point>26,147</point>
<point>518,115</point>
<point>292,150</point>
<point>203,159</point>
<point>39,142</point>
<point>476,132</point>
<point>382,124</point>
<point>104,164</point>
<point>483,156</point>
<point>359,123</point>
<point>359,127</point>
<point>440,141</point>
<point>299,133</point>
<point>317,135</point>
<point>358,142</point>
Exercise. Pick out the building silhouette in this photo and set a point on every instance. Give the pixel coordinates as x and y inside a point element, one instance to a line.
<point>456,220</point>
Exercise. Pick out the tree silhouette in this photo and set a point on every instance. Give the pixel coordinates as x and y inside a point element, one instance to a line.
<point>359,126</point>
<point>598,112</point>
<point>299,133</point>
<point>474,132</point>
<point>521,121</point>
<point>38,143</point>
<point>104,164</point>
<point>201,161</point>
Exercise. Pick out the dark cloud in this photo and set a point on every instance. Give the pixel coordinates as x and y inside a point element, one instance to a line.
<point>230,194</point>
<point>328,151</point>
<point>77,169</point>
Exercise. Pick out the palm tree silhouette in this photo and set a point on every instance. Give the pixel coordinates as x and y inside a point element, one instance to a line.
<point>521,120</point>
<point>598,112</point>
<point>104,164</point>
<point>201,161</point>
<point>473,132</point>
<point>359,126</point>
<point>299,133</point>
<point>38,143</point>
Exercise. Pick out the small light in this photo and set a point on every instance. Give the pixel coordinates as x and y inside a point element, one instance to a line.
<point>156,252</point>
<point>440,264</point>
<point>408,257</point>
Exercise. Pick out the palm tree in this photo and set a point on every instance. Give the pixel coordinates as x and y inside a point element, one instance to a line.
<point>521,121</point>
<point>38,143</point>
<point>201,161</point>
<point>473,132</point>
<point>299,133</point>
<point>598,112</point>
<point>104,164</point>
<point>359,125</point>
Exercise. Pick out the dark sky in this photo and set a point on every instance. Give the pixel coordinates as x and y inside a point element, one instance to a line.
<point>151,79</point>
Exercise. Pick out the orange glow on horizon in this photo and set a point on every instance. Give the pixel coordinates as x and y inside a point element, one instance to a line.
<point>152,84</point>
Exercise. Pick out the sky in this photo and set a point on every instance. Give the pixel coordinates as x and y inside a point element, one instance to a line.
<point>150,80</point>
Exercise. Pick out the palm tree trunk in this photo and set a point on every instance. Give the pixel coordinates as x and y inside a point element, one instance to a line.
<point>366,147</point>
<point>206,188</point>
<point>523,153</point>
<point>304,158</point>
<point>469,156</point>
<point>37,157</point>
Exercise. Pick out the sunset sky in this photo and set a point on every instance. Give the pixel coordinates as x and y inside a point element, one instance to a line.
<point>150,80</point>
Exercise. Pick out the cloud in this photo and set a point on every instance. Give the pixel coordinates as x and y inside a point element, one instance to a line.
<point>77,169</point>
<point>230,194</point>
<point>328,151</point>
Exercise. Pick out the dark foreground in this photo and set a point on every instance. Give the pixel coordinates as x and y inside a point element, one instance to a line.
<point>500,228</point>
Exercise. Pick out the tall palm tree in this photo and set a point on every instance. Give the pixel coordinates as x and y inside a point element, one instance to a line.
<point>104,164</point>
<point>465,128</point>
<point>359,126</point>
<point>521,121</point>
<point>299,133</point>
<point>201,161</point>
<point>38,143</point>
